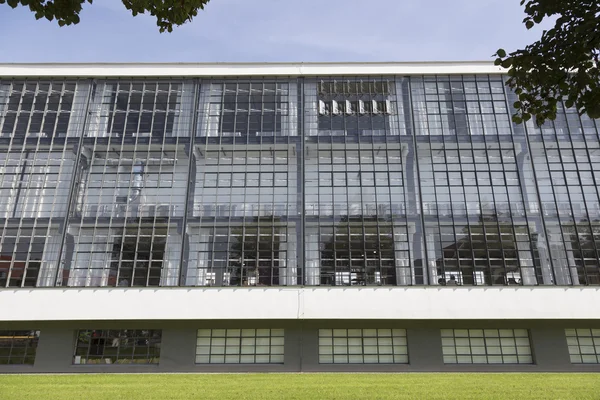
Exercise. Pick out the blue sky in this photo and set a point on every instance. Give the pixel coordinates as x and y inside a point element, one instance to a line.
<point>274,30</point>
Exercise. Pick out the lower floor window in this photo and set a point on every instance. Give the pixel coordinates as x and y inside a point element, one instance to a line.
<point>240,346</point>
<point>111,346</point>
<point>18,347</point>
<point>363,346</point>
<point>486,346</point>
<point>584,345</point>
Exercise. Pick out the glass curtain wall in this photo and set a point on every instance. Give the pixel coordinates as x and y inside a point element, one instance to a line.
<point>360,213</point>
<point>566,158</point>
<point>475,198</point>
<point>40,122</point>
<point>243,221</point>
<point>129,196</point>
<point>340,180</point>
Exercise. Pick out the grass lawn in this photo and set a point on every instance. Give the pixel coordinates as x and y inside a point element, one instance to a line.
<point>300,386</point>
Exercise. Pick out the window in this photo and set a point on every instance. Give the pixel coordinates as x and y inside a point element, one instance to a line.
<point>240,346</point>
<point>460,105</point>
<point>117,347</point>
<point>134,256</point>
<point>36,109</point>
<point>248,109</point>
<point>486,346</point>
<point>359,253</point>
<point>129,199</point>
<point>35,184</point>
<point>363,346</point>
<point>139,109</point>
<point>245,183</point>
<point>26,255</point>
<point>584,345</point>
<point>242,255</point>
<point>353,107</point>
<point>18,347</point>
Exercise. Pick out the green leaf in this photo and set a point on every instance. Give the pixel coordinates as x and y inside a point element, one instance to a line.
<point>501,53</point>
<point>517,120</point>
<point>517,105</point>
<point>529,24</point>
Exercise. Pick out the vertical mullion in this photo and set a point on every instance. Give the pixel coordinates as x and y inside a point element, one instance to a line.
<point>558,216</point>
<point>45,110</point>
<point>58,110</point>
<point>191,180</point>
<point>136,261</point>
<point>151,251</point>
<point>154,110</point>
<point>72,185</point>
<point>141,106</point>
<point>418,183</point>
<point>17,112</point>
<point>31,109</point>
<point>128,109</point>
<point>112,109</point>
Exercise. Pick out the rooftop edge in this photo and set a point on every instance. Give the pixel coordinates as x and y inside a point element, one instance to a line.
<point>224,69</point>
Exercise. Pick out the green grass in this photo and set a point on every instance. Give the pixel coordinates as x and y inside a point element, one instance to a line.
<point>300,386</point>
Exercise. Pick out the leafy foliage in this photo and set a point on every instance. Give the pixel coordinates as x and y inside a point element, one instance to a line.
<point>562,66</point>
<point>168,13</point>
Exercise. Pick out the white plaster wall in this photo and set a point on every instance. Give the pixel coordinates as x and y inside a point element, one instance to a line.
<point>298,303</point>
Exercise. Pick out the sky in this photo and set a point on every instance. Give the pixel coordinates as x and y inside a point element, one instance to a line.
<point>274,30</point>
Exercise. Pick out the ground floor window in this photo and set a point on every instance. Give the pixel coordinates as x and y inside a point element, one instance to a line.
<point>240,346</point>
<point>363,346</point>
<point>584,345</point>
<point>112,346</point>
<point>18,347</point>
<point>486,346</point>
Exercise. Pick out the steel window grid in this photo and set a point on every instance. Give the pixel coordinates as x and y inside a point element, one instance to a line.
<point>326,160</point>
<point>459,346</point>
<point>584,345</point>
<point>146,353</point>
<point>579,134</point>
<point>548,155</point>
<point>133,108</point>
<point>427,90</point>
<point>218,105</point>
<point>18,347</point>
<point>468,148</point>
<point>40,104</point>
<point>34,179</point>
<point>243,266</point>
<point>367,88</point>
<point>370,346</point>
<point>264,201</point>
<point>123,170</point>
<point>265,198</point>
<point>240,346</point>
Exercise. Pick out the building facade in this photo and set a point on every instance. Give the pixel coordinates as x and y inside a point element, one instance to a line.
<point>292,217</point>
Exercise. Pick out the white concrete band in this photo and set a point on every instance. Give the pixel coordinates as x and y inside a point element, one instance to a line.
<point>245,69</point>
<point>411,303</point>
